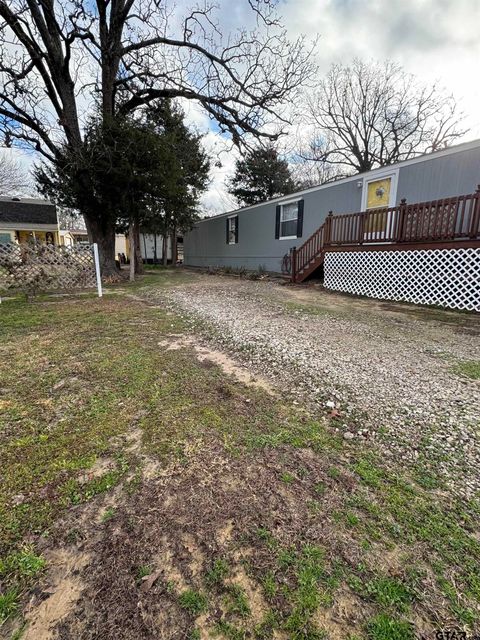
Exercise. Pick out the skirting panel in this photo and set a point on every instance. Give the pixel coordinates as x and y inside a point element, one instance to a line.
<point>445,277</point>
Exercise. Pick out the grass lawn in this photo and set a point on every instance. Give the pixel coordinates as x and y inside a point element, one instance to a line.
<point>165,499</point>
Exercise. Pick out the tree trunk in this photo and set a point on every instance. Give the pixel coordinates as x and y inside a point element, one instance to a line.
<point>138,251</point>
<point>155,259</point>
<point>104,236</point>
<point>133,249</point>
<point>164,249</point>
<point>174,246</point>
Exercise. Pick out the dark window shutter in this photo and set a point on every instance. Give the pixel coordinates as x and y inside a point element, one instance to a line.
<point>236,229</point>
<point>277,223</point>
<point>300,219</point>
<point>226,220</point>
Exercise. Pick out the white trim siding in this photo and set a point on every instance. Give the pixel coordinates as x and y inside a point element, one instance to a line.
<point>386,173</point>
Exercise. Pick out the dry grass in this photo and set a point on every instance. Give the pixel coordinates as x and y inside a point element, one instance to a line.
<point>145,495</point>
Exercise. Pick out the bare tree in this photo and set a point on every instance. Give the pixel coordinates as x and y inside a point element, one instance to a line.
<point>13,177</point>
<point>62,59</point>
<point>70,219</point>
<point>371,115</point>
<point>310,173</point>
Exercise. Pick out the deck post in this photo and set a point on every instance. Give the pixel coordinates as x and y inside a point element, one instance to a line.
<point>475,221</point>
<point>401,220</point>
<point>293,255</point>
<point>361,227</point>
<point>328,229</point>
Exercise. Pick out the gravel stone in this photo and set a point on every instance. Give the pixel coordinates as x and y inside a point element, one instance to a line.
<point>387,368</point>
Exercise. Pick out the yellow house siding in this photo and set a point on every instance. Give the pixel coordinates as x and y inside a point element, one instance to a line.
<point>25,235</point>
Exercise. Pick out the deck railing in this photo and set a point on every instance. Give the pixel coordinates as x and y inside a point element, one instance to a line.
<point>456,218</point>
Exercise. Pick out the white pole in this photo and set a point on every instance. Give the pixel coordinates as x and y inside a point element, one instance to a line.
<point>97,269</point>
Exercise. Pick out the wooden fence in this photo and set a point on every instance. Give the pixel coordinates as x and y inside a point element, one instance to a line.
<point>33,268</point>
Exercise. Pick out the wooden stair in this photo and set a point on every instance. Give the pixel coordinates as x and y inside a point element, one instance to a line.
<point>311,254</point>
<point>308,269</point>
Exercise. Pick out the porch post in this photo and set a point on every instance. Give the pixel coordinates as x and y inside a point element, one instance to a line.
<point>401,220</point>
<point>475,221</point>
<point>328,228</point>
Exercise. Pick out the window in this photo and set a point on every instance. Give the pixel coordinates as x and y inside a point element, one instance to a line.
<point>289,220</point>
<point>5,238</point>
<point>232,230</point>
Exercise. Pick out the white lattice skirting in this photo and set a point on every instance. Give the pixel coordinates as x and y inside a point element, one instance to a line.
<point>445,277</point>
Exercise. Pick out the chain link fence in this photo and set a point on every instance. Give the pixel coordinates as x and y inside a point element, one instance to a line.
<point>35,268</point>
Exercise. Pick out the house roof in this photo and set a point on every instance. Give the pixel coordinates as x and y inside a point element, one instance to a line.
<point>27,211</point>
<point>74,232</point>
<point>463,146</point>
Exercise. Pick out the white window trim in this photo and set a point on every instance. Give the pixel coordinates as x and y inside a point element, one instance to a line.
<point>390,173</point>
<point>282,204</point>
<point>231,218</point>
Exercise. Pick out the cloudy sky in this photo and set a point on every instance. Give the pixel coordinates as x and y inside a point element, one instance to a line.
<point>437,40</point>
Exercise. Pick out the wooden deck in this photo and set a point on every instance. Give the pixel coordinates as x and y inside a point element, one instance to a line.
<point>444,223</point>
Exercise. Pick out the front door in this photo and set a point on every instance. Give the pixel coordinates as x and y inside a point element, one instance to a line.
<point>378,197</point>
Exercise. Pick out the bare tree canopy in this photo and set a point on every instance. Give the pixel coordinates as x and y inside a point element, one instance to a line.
<point>13,177</point>
<point>371,115</point>
<point>63,61</point>
<point>56,55</point>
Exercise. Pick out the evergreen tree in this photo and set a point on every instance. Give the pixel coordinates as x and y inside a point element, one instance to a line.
<point>113,176</point>
<point>185,171</point>
<point>261,175</point>
<point>144,173</point>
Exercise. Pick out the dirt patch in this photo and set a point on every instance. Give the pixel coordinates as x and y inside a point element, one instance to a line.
<point>165,562</point>
<point>256,601</point>
<point>100,467</point>
<point>207,355</point>
<point>133,445</point>
<point>224,533</point>
<point>177,342</point>
<point>59,595</point>
<point>180,524</point>
<point>196,564</point>
<point>230,367</point>
<point>344,618</point>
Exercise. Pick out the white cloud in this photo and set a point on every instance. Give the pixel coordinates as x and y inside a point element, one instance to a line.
<point>222,156</point>
<point>436,40</point>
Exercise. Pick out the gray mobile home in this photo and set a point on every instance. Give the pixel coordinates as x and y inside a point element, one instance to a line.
<point>261,235</point>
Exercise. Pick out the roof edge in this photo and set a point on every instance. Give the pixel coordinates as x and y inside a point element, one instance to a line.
<point>458,148</point>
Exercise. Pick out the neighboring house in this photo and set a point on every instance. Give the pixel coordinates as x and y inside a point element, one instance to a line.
<point>71,237</point>
<point>28,219</point>
<point>390,209</point>
<point>151,246</point>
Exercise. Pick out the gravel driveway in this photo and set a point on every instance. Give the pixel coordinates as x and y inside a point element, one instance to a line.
<point>391,370</point>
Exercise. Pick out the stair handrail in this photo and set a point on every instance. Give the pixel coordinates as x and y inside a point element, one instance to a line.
<point>312,247</point>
